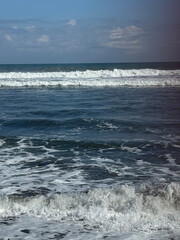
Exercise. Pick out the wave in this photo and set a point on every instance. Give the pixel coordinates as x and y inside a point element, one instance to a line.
<point>92,74</point>
<point>116,77</point>
<point>126,208</point>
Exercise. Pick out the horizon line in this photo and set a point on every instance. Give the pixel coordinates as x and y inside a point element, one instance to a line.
<point>78,63</point>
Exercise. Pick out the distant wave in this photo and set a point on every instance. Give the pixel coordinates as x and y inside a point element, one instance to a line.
<point>116,73</point>
<point>116,77</point>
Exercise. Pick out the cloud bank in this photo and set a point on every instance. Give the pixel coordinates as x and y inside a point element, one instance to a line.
<point>125,38</point>
<point>93,40</point>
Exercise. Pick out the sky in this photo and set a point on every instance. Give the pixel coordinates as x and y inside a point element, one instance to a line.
<point>89,31</point>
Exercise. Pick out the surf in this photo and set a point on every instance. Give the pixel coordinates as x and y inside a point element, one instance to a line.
<point>127,208</point>
<point>92,78</point>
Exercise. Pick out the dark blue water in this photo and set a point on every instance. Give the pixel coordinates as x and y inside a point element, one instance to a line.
<point>87,66</point>
<point>62,145</point>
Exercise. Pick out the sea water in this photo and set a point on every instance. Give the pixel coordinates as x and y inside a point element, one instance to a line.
<point>90,151</point>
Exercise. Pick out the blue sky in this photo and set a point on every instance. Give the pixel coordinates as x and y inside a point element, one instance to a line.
<point>77,31</point>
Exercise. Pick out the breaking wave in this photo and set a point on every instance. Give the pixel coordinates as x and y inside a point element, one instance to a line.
<point>126,208</point>
<point>116,77</point>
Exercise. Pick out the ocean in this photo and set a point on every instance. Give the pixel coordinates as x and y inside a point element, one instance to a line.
<point>90,151</point>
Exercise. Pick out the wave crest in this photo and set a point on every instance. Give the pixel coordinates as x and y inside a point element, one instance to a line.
<point>125,208</point>
<point>116,73</point>
<point>114,78</point>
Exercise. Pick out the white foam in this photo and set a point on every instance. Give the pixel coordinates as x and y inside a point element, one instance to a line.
<point>21,170</point>
<point>170,159</point>
<point>131,149</point>
<point>91,74</point>
<point>116,77</point>
<point>142,162</point>
<point>125,209</point>
<point>176,145</point>
<point>106,125</point>
<point>1,142</point>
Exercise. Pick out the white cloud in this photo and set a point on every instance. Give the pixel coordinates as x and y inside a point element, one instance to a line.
<point>8,37</point>
<point>15,27</point>
<point>128,45</point>
<point>72,22</point>
<point>30,28</point>
<point>43,39</point>
<point>125,38</point>
<point>133,30</point>
<point>116,33</point>
<point>129,31</point>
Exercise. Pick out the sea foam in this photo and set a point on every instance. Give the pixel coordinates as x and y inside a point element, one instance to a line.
<point>124,209</point>
<point>116,77</point>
